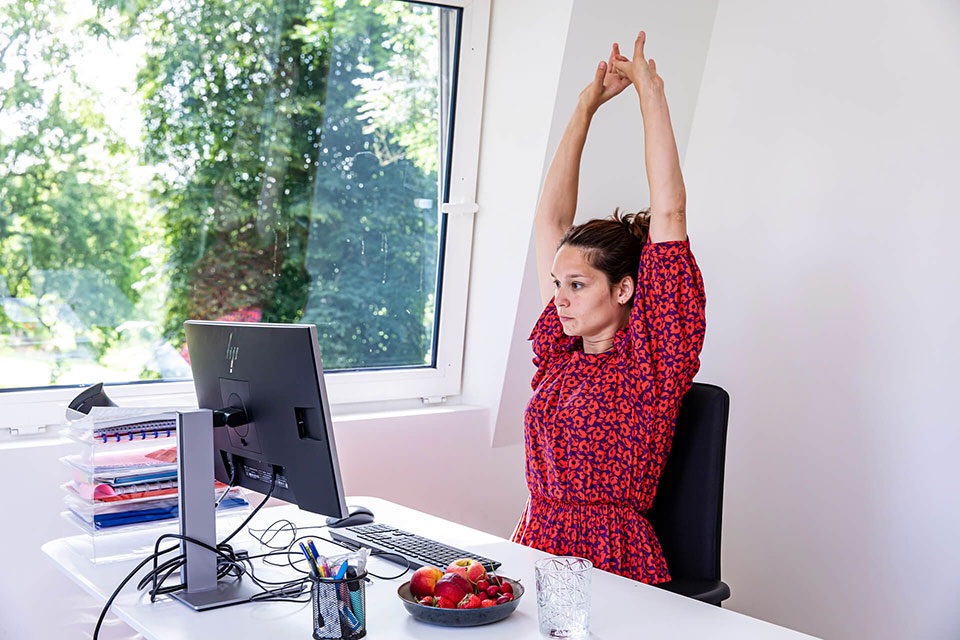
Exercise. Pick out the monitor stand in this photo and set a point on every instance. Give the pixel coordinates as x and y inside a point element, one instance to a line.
<point>198,518</point>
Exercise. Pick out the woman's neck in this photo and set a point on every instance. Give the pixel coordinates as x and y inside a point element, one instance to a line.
<point>603,341</point>
<point>597,345</point>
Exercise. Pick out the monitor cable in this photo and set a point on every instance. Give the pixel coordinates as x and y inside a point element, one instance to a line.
<point>229,562</point>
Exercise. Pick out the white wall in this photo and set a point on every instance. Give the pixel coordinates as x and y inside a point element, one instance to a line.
<point>821,176</point>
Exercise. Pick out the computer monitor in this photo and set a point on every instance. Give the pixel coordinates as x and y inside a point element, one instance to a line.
<point>267,381</point>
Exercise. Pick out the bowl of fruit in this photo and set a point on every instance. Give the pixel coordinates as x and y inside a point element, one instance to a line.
<point>465,595</point>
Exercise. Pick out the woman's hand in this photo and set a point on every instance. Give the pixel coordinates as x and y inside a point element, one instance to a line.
<point>640,71</point>
<point>606,83</point>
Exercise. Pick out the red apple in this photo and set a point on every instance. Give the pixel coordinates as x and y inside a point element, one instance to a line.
<point>423,581</point>
<point>452,586</point>
<point>469,569</point>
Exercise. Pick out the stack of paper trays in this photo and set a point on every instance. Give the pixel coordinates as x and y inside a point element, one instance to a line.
<point>126,471</point>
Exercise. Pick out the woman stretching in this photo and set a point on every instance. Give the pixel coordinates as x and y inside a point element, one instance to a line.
<point>616,347</point>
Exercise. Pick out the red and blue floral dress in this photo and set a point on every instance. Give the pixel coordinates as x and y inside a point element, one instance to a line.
<point>599,425</point>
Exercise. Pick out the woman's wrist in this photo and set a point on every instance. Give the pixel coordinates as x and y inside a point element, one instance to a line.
<point>583,113</point>
<point>649,94</point>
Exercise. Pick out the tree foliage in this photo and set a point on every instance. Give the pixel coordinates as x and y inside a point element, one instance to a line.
<point>293,146</point>
<point>69,236</point>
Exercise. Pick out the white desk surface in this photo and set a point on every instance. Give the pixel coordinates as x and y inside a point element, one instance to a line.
<point>621,608</point>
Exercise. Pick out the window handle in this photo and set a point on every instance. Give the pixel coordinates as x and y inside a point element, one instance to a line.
<point>462,208</point>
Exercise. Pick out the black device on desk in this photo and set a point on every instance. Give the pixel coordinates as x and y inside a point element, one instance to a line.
<point>272,431</point>
<point>404,547</point>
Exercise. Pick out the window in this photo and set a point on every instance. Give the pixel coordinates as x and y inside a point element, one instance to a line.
<point>300,161</point>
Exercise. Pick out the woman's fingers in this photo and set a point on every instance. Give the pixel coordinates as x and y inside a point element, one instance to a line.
<point>613,54</point>
<point>653,65</point>
<point>638,46</point>
<point>624,68</point>
<point>598,76</point>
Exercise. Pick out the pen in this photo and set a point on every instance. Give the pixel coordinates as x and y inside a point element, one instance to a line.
<point>313,568</point>
<point>322,568</point>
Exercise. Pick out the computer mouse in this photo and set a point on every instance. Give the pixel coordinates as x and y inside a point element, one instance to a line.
<point>358,515</point>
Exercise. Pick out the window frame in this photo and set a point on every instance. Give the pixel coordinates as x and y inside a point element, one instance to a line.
<point>32,411</point>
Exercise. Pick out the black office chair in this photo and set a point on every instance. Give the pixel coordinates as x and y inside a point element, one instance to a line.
<point>686,513</point>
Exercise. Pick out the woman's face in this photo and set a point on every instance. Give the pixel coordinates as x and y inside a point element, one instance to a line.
<point>586,303</point>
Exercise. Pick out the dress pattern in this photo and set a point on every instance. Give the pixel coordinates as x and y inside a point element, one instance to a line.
<point>599,426</point>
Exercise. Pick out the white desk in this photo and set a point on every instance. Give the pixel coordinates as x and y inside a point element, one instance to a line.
<point>621,608</point>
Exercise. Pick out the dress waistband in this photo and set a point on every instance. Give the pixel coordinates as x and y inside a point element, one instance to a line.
<point>583,503</point>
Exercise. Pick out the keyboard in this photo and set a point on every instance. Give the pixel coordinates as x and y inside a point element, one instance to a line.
<point>416,550</point>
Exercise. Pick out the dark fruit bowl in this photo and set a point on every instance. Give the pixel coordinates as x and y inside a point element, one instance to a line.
<point>460,617</point>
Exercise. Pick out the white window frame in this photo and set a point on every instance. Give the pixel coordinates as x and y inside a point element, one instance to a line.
<point>34,411</point>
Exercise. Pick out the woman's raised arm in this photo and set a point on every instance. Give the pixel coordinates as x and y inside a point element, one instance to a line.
<point>558,199</point>
<point>668,197</point>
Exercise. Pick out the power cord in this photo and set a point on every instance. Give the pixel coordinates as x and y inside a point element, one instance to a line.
<point>230,486</point>
<point>238,563</point>
<point>294,531</point>
<point>228,562</point>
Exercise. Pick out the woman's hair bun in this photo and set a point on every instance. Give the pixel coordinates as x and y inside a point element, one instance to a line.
<point>638,224</point>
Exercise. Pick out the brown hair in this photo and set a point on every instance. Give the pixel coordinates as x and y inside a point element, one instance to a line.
<point>612,245</point>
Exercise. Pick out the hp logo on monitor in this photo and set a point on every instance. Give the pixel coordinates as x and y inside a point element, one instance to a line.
<point>232,351</point>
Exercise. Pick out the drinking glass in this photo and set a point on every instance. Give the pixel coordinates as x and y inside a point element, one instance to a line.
<point>563,596</point>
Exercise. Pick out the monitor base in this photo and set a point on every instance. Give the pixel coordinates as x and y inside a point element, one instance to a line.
<point>226,594</point>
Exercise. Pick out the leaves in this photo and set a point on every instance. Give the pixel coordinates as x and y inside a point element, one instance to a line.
<point>288,162</point>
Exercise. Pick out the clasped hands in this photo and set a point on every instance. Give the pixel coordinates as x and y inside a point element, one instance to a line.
<point>619,72</point>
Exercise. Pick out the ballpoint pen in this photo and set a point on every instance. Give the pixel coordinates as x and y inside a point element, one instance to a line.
<point>313,567</point>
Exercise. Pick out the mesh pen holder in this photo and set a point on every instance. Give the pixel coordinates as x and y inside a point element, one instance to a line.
<point>339,608</point>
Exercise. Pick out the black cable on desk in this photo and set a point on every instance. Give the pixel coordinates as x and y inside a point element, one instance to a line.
<point>294,530</point>
<point>224,550</point>
<point>230,485</point>
<point>273,485</point>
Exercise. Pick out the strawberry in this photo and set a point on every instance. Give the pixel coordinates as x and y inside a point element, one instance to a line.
<point>488,603</point>
<point>470,601</point>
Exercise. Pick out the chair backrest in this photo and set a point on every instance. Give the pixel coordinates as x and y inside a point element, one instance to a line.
<point>686,513</point>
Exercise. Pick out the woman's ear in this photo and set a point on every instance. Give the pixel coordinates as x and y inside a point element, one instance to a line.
<point>625,290</point>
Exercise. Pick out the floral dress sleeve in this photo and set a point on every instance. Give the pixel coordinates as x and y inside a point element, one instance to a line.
<point>667,324</point>
<point>548,339</point>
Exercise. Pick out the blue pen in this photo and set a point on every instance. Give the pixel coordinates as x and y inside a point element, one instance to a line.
<point>310,564</point>
<point>342,571</point>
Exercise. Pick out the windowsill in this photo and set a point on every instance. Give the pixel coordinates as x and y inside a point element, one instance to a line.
<point>354,415</point>
<point>373,415</point>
